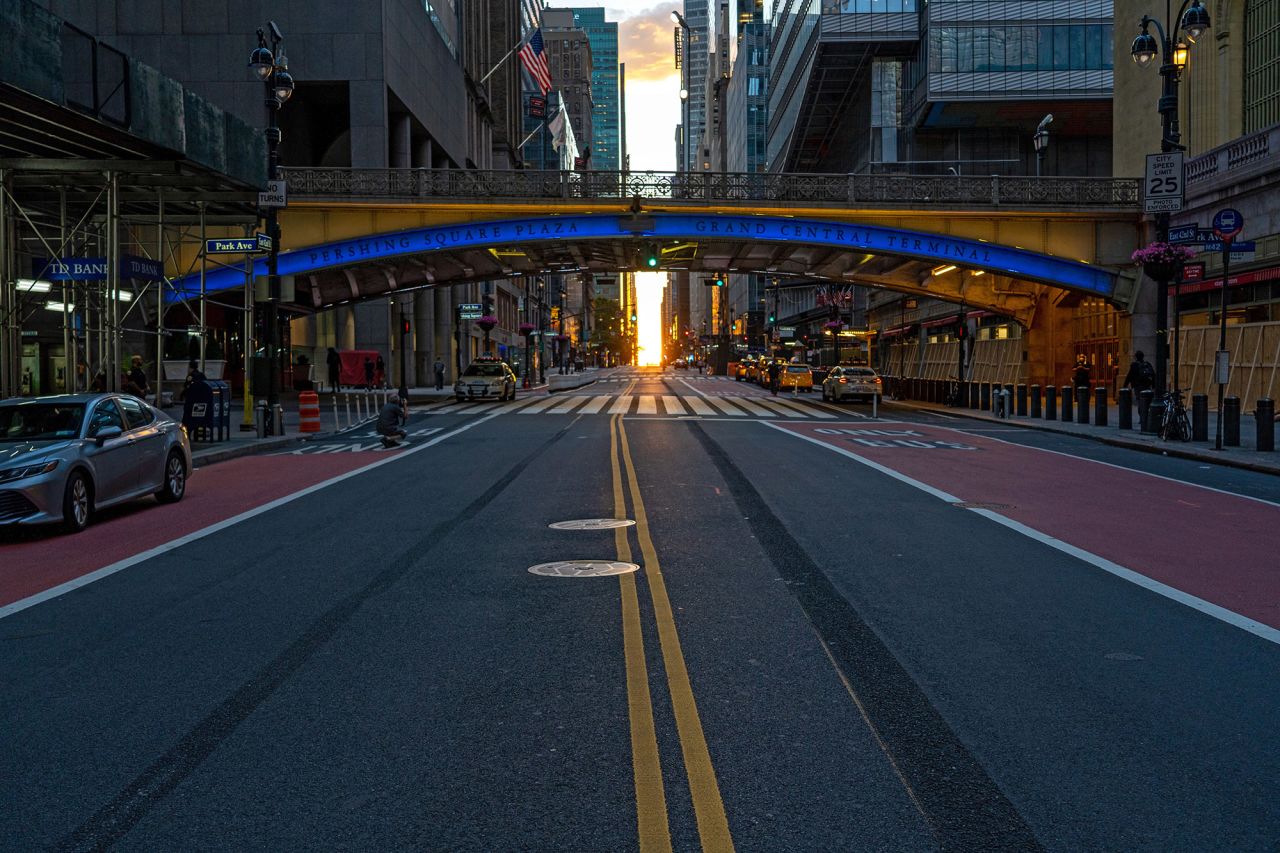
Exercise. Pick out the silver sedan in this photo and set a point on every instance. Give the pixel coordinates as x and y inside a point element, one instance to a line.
<point>63,457</point>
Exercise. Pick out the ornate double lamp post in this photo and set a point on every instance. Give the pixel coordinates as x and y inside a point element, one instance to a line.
<point>1191,22</point>
<point>270,65</point>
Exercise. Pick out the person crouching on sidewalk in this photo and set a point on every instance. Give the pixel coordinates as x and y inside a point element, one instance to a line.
<point>393,413</point>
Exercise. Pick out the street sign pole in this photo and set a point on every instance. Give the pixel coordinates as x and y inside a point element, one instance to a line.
<point>1227,223</point>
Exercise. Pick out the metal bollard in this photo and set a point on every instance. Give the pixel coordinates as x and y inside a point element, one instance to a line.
<point>1006,403</point>
<point>984,393</point>
<point>1231,422</point>
<point>1050,403</point>
<point>1124,399</point>
<point>260,418</point>
<point>346,399</point>
<point>1265,417</point>
<point>337,425</point>
<point>1008,387</point>
<point>1199,417</point>
<point>1082,405</point>
<point>1100,406</point>
<point>1022,399</point>
<point>1035,401</point>
<point>1067,401</point>
<point>1144,410</point>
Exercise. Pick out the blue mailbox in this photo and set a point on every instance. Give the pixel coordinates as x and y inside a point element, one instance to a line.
<point>206,411</point>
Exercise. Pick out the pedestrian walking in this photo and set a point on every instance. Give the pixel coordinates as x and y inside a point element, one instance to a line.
<point>1080,376</point>
<point>439,368</point>
<point>390,417</point>
<point>1141,376</point>
<point>334,361</point>
<point>368,373</point>
<point>380,372</point>
<point>774,371</point>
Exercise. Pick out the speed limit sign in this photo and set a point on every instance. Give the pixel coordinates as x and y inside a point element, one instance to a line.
<point>1162,186</point>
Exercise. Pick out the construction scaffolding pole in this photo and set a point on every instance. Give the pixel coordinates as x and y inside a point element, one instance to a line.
<point>8,296</point>
<point>113,279</point>
<point>160,254</point>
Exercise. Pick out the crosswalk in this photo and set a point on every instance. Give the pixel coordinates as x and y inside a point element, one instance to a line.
<point>653,405</point>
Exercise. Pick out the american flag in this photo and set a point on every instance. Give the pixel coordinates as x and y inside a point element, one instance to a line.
<point>535,60</point>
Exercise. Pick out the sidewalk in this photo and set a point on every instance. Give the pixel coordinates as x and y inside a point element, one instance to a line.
<point>1245,456</point>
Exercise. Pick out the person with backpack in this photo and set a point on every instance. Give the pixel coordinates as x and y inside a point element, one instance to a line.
<point>1080,376</point>
<point>1141,376</point>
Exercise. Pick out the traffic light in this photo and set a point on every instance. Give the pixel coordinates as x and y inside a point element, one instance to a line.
<point>404,325</point>
<point>718,281</point>
<point>651,256</point>
<point>633,317</point>
<point>772,318</point>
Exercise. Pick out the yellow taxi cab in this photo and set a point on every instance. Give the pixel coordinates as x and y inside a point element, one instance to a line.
<point>795,376</point>
<point>743,369</point>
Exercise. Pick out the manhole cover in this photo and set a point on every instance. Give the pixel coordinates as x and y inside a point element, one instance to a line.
<point>981,505</point>
<point>592,524</point>
<point>582,568</point>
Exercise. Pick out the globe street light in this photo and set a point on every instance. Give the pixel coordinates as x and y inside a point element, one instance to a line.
<point>1192,20</point>
<point>270,66</point>
<point>1041,142</point>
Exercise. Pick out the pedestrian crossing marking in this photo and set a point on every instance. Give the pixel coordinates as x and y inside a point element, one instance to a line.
<point>672,405</point>
<point>568,405</point>
<point>620,406</point>
<point>596,404</point>
<point>646,405</point>
<point>727,408</point>
<point>698,406</point>
<point>807,411</point>
<point>539,405</point>
<point>754,408</point>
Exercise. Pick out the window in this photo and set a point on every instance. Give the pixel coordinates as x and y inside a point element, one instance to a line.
<point>1077,47</point>
<point>1044,48</point>
<point>1061,48</point>
<point>964,49</point>
<point>104,416</point>
<point>137,414</point>
<point>1093,47</point>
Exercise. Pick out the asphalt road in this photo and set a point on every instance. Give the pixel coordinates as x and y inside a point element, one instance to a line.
<point>846,634</point>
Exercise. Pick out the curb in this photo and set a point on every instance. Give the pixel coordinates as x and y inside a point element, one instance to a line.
<point>1176,452</point>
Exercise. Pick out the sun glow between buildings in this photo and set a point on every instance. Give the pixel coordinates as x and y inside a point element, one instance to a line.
<point>649,287</point>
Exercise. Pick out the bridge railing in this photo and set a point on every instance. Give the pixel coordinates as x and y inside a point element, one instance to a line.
<point>732,187</point>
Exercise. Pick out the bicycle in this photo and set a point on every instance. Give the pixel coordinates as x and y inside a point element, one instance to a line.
<point>952,397</point>
<point>1174,425</point>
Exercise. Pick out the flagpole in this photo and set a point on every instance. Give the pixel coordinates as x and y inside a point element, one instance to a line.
<point>524,38</point>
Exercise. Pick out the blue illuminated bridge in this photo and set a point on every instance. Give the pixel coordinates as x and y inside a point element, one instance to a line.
<point>999,243</point>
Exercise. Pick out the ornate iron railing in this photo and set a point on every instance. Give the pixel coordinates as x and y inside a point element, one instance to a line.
<point>729,187</point>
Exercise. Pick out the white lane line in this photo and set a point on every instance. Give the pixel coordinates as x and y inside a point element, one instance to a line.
<point>721,404</point>
<point>1265,632</point>
<point>691,388</point>
<point>672,404</point>
<point>809,409</point>
<point>538,406</point>
<point>696,404</point>
<point>621,406</point>
<point>646,405</point>
<point>121,565</point>
<point>596,404</point>
<point>568,405</point>
<point>754,408</point>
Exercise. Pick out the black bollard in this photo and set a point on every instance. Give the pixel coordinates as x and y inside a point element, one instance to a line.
<point>1067,400</point>
<point>1144,410</point>
<point>1231,422</point>
<point>1050,403</point>
<point>1035,401</point>
<point>1199,417</point>
<point>1100,406</point>
<point>1124,399</point>
<point>1022,400</point>
<point>1265,415</point>
<point>1082,404</point>
<point>985,390</point>
<point>975,396</point>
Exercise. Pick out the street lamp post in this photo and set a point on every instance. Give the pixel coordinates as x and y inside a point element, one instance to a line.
<point>679,20</point>
<point>1192,20</point>
<point>271,66</point>
<point>1041,142</point>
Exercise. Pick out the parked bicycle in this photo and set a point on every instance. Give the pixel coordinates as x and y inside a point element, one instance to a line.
<point>1174,425</point>
<point>953,397</point>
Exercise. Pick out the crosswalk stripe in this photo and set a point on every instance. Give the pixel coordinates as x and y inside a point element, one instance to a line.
<point>777,406</point>
<point>646,405</point>
<point>698,406</point>
<point>596,404</point>
<point>568,406</point>
<point>753,408</point>
<point>621,405</point>
<point>538,406</point>
<point>719,403</point>
<point>672,405</point>
<point>808,411</point>
<point>521,402</point>
<point>471,410</point>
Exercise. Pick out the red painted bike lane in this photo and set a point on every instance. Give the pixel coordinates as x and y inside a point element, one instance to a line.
<point>33,565</point>
<point>1093,506</point>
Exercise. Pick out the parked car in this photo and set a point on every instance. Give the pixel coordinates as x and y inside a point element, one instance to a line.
<point>485,377</point>
<point>795,376</point>
<point>63,458</point>
<point>846,382</point>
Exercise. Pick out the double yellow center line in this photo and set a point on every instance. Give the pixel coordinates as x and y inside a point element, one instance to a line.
<point>651,807</point>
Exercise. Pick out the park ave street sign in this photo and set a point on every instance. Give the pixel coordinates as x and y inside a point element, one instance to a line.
<point>1162,185</point>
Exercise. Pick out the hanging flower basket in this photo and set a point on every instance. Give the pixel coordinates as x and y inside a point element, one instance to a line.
<point>1161,261</point>
<point>527,329</point>
<point>487,322</point>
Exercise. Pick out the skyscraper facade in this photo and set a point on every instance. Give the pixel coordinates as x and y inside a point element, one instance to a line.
<point>606,139</point>
<point>697,51</point>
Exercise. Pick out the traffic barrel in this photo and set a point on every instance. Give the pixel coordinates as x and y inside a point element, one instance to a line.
<point>308,412</point>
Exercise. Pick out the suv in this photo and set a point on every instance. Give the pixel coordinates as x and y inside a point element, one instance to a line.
<point>485,377</point>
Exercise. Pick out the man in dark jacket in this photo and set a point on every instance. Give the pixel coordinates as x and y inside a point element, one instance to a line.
<point>1141,376</point>
<point>775,370</point>
<point>1080,376</point>
<point>334,361</point>
<point>390,417</point>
